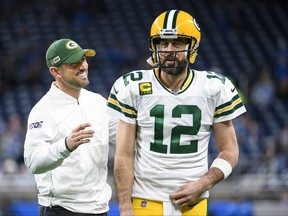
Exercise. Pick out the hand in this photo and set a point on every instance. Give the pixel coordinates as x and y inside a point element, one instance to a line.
<point>79,136</point>
<point>188,194</point>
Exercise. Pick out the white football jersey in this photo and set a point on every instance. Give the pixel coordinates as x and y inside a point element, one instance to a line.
<point>173,126</point>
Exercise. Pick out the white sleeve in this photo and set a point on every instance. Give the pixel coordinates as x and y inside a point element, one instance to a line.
<point>121,102</point>
<point>40,155</point>
<point>113,122</point>
<point>229,104</point>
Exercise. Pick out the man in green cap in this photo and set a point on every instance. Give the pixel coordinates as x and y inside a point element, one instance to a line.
<point>67,139</point>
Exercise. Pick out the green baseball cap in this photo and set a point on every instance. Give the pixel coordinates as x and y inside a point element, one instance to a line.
<point>66,51</point>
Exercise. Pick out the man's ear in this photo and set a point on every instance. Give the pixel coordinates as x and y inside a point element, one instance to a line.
<point>54,71</point>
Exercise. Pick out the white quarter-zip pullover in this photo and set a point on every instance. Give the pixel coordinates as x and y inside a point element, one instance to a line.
<point>74,180</point>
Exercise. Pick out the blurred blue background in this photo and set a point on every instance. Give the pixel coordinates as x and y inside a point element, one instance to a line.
<point>242,39</point>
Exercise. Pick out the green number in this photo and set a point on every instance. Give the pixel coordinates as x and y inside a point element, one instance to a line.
<point>158,113</point>
<point>217,76</point>
<point>133,76</point>
<point>177,131</point>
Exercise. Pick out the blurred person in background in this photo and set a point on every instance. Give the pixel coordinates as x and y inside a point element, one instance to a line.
<point>67,140</point>
<point>280,66</point>
<point>11,143</point>
<point>263,89</point>
<point>166,116</point>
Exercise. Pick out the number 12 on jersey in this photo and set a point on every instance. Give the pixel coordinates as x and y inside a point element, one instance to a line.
<point>175,148</point>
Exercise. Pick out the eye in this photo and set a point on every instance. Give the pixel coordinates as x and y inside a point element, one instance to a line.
<point>164,44</point>
<point>179,43</point>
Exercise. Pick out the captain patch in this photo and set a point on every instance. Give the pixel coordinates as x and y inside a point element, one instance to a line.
<point>145,88</point>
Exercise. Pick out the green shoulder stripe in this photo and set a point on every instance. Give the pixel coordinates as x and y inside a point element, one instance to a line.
<point>115,104</point>
<point>229,107</point>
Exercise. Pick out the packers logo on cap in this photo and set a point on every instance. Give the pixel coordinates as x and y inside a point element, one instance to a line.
<point>145,88</point>
<point>71,45</point>
<point>66,51</point>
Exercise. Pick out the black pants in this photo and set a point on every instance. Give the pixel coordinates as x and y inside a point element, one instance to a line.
<point>59,211</point>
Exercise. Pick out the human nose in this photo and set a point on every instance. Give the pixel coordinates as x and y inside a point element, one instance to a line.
<point>83,64</point>
<point>170,47</point>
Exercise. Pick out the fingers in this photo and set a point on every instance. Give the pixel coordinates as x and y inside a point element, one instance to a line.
<point>179,194</point>
<point>84,134</point>
<point>181,202</point>
<point>81,127</point>
<point>81,134</point>
<point>179,198</point>
<point>184,196</point>
<point>78,136</point>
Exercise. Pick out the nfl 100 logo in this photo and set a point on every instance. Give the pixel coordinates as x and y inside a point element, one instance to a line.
<point>36,125</point>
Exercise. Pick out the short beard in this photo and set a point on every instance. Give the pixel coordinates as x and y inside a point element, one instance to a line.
<point>175,70</point>
<point>77,85</point>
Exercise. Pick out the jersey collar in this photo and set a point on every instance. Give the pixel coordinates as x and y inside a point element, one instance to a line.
<point>187,82</point>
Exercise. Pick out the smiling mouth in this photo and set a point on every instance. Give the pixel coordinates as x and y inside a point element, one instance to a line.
<point>82,74</point>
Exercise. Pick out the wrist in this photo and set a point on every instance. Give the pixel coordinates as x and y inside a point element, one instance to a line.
<point>67,145</point>
<point>223,165</point>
